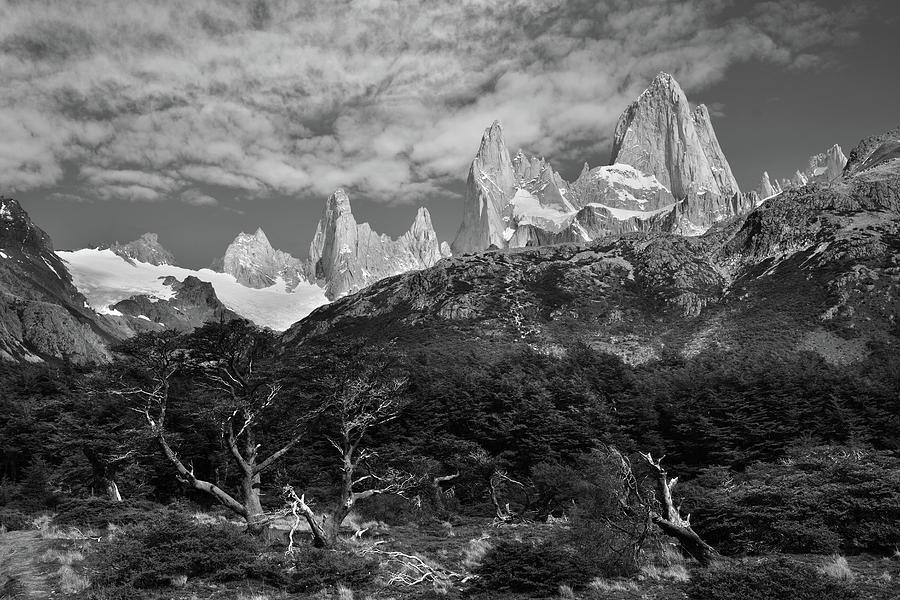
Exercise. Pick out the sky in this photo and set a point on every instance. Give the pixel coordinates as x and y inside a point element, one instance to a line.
<point>197,119</point>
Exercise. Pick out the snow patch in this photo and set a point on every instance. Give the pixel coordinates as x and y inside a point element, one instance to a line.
<point>623,214</point>
<point>105,278</point>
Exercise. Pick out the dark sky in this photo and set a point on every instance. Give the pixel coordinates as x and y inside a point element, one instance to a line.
<point>200,125</point>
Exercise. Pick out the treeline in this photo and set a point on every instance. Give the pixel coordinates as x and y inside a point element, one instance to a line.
<point>466,429</point>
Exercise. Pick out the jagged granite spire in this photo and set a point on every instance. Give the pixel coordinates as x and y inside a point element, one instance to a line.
<point>346,256</point>
<point>660,135</point>
<point>490,185</point>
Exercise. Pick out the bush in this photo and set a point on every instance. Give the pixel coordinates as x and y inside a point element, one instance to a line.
<point>99,512</point>
<point>540,569</point>
<point>821,500</point>
<point>15,520</point>
<point>769,580</point>
<point>311,569</point>
<point>170,544</point>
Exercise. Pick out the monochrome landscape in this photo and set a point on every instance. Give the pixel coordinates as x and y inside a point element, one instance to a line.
<point>449,301</point>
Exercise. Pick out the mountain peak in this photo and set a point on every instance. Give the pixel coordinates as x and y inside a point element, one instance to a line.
<point>145,249</point>
<point>339,202</point>
<point>490,185</point>
<point>253,261</point>
<point>345,256</point>
<point>660,135</point>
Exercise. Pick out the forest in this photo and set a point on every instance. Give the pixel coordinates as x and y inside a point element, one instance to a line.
<point>223,464</point>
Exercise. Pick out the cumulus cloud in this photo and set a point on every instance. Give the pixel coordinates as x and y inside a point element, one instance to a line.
<point>162,99</point>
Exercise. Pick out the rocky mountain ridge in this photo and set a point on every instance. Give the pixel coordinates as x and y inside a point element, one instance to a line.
<point>824,167</point>
<point>668,173</point>
<point>344,256</point>
<point>42,315</point>
<point>816,269</point>
<point>146,249</point>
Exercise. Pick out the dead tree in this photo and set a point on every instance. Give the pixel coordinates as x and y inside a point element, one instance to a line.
<point>358,404</point>
<point>662,510</point>
<point>505,514</point>
<point>221,358</point>
<point>669,517</point>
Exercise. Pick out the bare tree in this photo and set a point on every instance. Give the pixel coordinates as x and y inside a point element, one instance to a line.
<point>360,401</point>
<point>662,510</point>
<point>226,359</point>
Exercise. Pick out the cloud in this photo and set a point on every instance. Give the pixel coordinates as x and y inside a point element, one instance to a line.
<point>160,100</point>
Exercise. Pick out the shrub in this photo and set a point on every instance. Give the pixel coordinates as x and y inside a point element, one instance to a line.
<point>769,580</point>
<point>522,567</point>
<point>15,520</point>
<point>820,500</point>
<point>170,544</point>
<point>311,569</point>
<point>97,513</point>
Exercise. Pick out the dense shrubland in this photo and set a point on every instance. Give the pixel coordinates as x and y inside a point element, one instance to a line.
<point>793,456</point>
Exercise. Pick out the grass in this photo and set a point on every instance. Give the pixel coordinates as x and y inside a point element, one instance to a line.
<point>42,564</point>
<point>838,568</point>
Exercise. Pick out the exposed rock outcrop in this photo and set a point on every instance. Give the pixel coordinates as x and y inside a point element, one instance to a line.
<point>346,256</point>
<point>252,260</point>
<point>193,304</point>
<point>660,135</point>
<point>146,249</point>
<point>490,186</point>
<point>825,167</point>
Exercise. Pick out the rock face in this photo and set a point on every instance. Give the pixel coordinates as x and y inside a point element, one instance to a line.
<point>193,304</point>
<point>669,174</point>
<point>813,270</point>
<point>767,189</point>
<point>346,256</point>
<point>825,167</point>
<point>874,150</point>
<point>660,135</point>
<point>252,260</point>
<point>42,315</point>
<point>489,190</point>
<point>146,249</point>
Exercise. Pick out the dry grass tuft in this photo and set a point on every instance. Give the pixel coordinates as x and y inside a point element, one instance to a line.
<point>672,573</point>
<point>602,585</point>
<point>838,568</point>
<point>343,593</point>
<point>71,582</point>
<point>475,551</point>
<point>566,592</point>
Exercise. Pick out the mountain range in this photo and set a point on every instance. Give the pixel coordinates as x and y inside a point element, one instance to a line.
<point>659,249</point>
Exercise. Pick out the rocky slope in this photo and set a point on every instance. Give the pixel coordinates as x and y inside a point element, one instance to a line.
<point>193,302</point>
<point>668,174</point>
<point>42,315</point>
<point>815,270</point>
<point>146,249</point>
<point>346,256</point>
